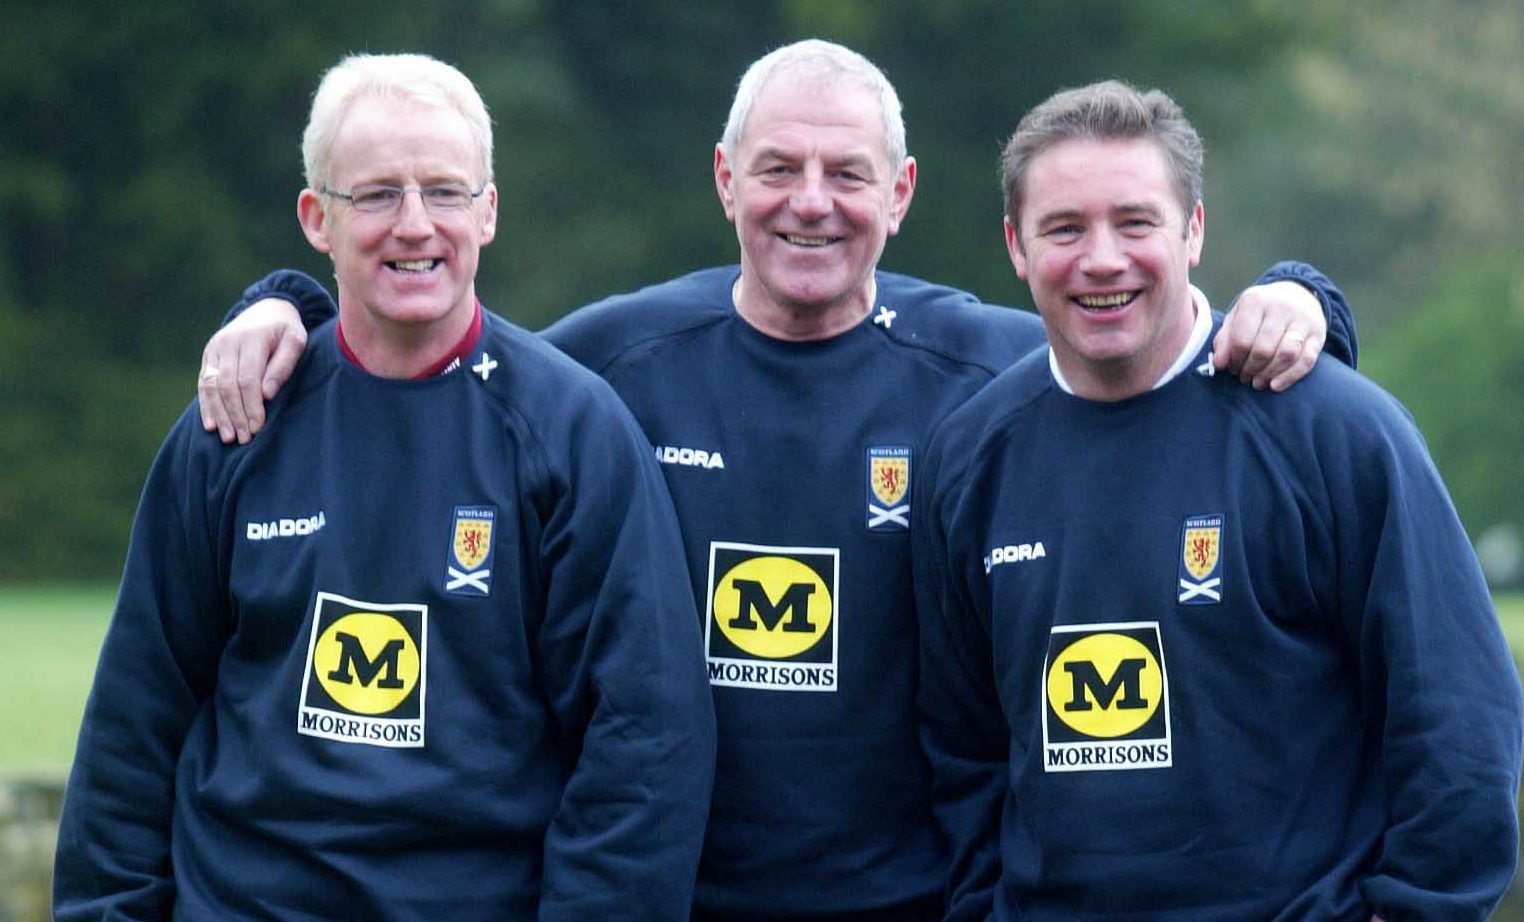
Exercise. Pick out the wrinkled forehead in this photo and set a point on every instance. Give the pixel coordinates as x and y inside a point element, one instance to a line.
<point>842,106</point>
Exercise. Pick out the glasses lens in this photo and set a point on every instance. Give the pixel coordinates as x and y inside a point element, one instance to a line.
<point>446,196</point>
<point>383,199</point>
<point>376,199</point>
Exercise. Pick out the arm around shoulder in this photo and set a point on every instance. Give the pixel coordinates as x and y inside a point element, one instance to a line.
<point>313,303</point>
<point>246,362</point>
<point>1342,343</point>
<point>1276,329</point>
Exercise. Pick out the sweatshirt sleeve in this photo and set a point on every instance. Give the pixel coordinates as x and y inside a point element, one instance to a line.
<point>963,730</point>
<point>303,292</point>
<point>156,670</point>
<point>623,671</point>
<point>1437,671</point>
<point>1342,342</point>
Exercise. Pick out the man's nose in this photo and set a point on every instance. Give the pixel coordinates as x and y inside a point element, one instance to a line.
<point>413,219</point>
<point>1104,253</point>
<point>811,200</point>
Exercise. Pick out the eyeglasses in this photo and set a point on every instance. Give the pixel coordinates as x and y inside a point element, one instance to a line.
<point>379,198</point>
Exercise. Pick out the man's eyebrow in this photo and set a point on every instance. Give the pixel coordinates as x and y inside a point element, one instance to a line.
<point>772,152</point>
<point>1062,214</point>
<point>861,160</point>
<point>856,158</point>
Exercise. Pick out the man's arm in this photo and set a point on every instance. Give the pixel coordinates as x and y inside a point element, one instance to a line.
<point>963,730</point>
<point>157,666</point>
<point>1277,328</point>
<point>622,671</point>
<point>1271,338</point>
<point>1436,672</point>
<point>263,335</point>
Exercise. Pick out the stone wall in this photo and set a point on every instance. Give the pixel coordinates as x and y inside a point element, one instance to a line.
<point>28,832</point>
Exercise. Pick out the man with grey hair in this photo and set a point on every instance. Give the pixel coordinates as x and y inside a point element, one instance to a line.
<point>787,398</point>
<point>1190,652</point>
<point>425,650</point>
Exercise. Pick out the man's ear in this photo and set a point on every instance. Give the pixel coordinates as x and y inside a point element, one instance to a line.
<point>489,220</point>
<point>311,213</point>
<point>723,177</point>
<point>1013,247</point>
<point>904,191</point>
<point>1195,234</point>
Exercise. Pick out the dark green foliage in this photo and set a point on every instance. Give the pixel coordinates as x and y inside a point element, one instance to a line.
<point>1458,366</point>
<point>150,162</point>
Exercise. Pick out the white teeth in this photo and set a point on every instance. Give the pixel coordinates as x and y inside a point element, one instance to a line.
<point>414,265</point>
<point>1112,300</point>
<point>797,240</point>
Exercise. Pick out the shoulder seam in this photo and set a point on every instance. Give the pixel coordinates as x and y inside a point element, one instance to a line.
<point>943,353</point>
<point>655,342</point>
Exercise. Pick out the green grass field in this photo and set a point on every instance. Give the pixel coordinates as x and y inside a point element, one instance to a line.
<point>1511,613</point>
<point>51,637</point>
<point>53,633</point>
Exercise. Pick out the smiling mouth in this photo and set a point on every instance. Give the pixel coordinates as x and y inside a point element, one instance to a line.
<point>1108,302</point>
<point>801,240</point>
<point>413,265</point>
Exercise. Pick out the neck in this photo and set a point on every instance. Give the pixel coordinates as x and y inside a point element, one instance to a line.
<point>397,349</point>
<point>801,322</point>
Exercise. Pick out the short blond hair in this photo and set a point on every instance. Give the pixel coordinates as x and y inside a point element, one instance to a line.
<point>411,77</point>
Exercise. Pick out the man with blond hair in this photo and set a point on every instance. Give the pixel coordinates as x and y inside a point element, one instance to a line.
<point>787,397</point>
<point>425,650</point>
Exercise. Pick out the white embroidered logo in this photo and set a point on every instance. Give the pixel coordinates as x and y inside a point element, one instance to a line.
<point>485,366</point>
<point>285,528</point>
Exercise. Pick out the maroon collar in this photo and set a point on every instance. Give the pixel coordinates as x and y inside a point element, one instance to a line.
<point>449,362</point>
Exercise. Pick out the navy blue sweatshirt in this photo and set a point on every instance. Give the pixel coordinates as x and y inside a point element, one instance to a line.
<point>422,650</point>
<point>796,525</point>
<point>790,466</point>
<point>1209,654</point>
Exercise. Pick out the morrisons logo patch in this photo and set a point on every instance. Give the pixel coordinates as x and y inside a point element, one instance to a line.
<point>1106,698</point>
<point>366,673</point>
<point>772,619</point>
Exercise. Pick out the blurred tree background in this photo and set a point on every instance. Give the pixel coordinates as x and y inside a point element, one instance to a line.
<point>149,166</point>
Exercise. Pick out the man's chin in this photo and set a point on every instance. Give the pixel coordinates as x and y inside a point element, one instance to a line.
<point>411,311</point>
<point>817,295</point>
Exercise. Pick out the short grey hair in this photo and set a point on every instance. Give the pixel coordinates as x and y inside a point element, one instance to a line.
<point>822,63</point>
<point>411,77</point>
<point>1106,111</point>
